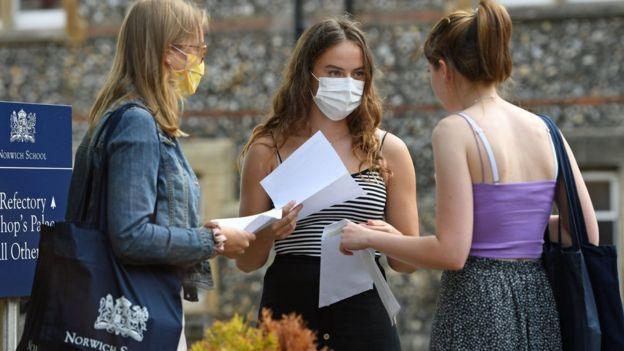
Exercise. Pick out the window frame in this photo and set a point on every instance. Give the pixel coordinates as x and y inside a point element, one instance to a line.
<point>612,214</point>
<point>37,20</point>
<point>545,3</point>
<point>34,25</point>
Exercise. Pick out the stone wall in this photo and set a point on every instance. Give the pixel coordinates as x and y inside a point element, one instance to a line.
<point>569,68</point>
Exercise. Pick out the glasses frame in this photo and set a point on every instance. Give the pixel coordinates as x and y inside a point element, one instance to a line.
<point>200,49</point>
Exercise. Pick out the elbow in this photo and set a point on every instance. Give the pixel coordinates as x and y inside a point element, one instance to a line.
<point>400,266</point>
<point>456,265</point>
<point>124,252</point>
<point>125,249</point>
<point>247,267</point>
<point>456,262</point>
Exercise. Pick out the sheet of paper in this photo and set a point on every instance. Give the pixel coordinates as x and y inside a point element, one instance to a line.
<point>253,223</point>
<point>344,276</point>
<point>383,289</point>
<point>341,276</point>
<point>314,176</point>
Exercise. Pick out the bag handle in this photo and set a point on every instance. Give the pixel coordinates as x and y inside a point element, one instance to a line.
<point>576,221</point>
<point>101,188</point>
<point>109,127</point>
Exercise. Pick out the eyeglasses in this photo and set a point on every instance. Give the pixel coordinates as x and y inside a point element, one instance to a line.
<point>198,49</point>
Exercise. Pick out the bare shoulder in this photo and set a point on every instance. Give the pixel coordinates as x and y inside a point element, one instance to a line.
<point>453,130</point>
<point>392,144</point>
<point>261,155</point>
<point>396,154</point>
<point>264,145</point>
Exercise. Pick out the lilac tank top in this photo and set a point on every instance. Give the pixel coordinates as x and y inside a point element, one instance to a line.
<point>510,218</point>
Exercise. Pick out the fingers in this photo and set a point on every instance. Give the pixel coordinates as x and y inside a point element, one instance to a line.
<point>376,222</point>
<point>288,207</point>
<point>287,224</point>
<point>345,251</point>
<point>249,236</point>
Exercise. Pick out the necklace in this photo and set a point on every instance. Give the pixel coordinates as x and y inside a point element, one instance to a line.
<point>338,139</point>
<point>482,98</point>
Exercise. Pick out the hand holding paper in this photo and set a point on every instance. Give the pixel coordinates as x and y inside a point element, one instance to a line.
<point>280,222</point>
<point>344,276</point>
<point>314,176</point>
<point>253,223</point>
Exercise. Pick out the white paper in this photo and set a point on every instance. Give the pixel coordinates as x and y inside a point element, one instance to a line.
<point>314,176</point>
<point>253,223</point>
<point>341,276</point>
<point>344,276</point>
<point>383,289</point>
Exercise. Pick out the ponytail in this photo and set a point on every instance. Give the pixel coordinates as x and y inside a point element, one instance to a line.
<point>493,36</point>
<point>475,43</point>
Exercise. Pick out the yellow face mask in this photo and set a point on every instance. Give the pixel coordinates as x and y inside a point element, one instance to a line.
<point>187,80</point>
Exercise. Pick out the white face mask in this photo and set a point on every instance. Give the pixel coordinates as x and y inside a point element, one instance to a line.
<point>338,97</point>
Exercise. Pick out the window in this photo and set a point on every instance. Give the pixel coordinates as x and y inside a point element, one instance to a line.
<point>527,2</point>
<point>518,3</point>
<point>604,191</point>
<point>38,15</point>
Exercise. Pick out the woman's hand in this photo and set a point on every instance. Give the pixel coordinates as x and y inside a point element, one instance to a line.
<point>355,237</point>
<point>381,226</point>
<point>284,227</point>
<point>236,241</point>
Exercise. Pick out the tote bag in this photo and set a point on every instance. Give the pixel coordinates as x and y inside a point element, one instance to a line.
<point>83,298</point>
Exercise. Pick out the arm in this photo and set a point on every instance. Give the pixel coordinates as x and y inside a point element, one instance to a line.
<point>450,247</point>
<point>401,208</point>
<point>589,215</point>
<point>257,164</point>
<point>134,156</point>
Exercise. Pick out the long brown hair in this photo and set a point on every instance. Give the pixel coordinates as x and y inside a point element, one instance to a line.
<point>293,100</point>
<point>138,71</point>
<point>475,43</point>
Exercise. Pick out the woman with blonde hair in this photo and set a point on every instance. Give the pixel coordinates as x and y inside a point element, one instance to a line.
<point>152,210</point>
<point>328,87</point>
<point>496,182</point>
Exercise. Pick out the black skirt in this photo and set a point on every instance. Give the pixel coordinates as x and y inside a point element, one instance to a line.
<point>360,322</point>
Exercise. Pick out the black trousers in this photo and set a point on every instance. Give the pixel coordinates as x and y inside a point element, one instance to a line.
<point>360,322</point>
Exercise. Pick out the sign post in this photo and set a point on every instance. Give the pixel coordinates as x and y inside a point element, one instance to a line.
<point>35,171</point>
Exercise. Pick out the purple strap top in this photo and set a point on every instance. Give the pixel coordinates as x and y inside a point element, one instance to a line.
<point>509,219</point>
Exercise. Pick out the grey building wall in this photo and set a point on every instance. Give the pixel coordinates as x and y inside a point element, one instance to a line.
<point>567,65</point>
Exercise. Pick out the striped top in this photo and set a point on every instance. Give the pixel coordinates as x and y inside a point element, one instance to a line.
<point>306,239</point>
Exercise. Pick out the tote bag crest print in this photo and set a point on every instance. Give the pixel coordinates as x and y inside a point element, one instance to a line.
<point>122,318</point>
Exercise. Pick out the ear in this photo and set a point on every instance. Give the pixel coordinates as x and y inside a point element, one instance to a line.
<point>444,69</point>
<point>167,58</point>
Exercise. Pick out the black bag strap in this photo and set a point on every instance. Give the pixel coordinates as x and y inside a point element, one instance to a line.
<point>109,127</point>
<point>576,221</point>
<point>100,189</point>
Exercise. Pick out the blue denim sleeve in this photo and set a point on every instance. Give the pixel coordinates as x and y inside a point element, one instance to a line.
<point>134,158</point>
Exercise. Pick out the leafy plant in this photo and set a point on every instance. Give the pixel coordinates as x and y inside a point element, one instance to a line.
<point>235,335</point>
<point>291,332</point>
<point>286,334</point>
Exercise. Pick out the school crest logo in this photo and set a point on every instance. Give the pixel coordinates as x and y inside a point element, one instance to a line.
<point>23,127</point>
<point>119,317</point>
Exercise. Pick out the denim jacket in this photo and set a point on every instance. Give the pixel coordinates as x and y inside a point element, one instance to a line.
<point>153,197</point>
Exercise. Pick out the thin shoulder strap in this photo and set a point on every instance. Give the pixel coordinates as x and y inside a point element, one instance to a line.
<point>383,138</point>
<point>279,157</point>
<point>277,153</point>
<point>486,145</point>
